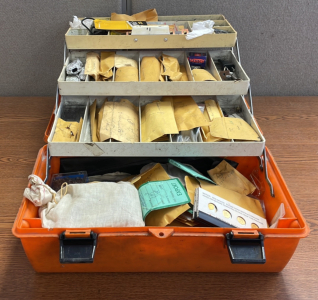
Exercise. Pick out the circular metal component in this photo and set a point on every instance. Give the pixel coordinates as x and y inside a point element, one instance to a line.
<point>227,214</point>
<point>165,39</point>
<point>212,206</point>
<point>241,220</point>
<point>135,40</point>
<point>254,225</point>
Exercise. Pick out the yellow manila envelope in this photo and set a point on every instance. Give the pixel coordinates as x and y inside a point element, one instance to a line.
<point>177,223</point>
<point>165,216</point>
<point>149,15</point>
<point>243,201</point>
<point>126,74</point>
<point>99,114</point>
<point>228,177</point>
<point>122,61</point>
<point>184,76</point>
<point>67,131</point>
<point>212,110</point>
<point>171,68</point>
<point>202,75</point>
<point>93,119</point>
<point>106,64</point>
<point>206,135</point>
<point>187,113</point>
<point>156,173</point>
<point>120,122</point>
<point>233,128</point>
<point>157,119</point>
<point>164,138</point>
<point>150,69</point>
<point>191,184</point>
<point>79,130</point>
<point>92,65</point>
<point>187,220</point>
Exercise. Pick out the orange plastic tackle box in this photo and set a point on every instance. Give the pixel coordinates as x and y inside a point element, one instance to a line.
<point>156,249</point>
<point>167,249</point>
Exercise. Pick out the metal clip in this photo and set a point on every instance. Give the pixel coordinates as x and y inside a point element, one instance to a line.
<point>266,174</point>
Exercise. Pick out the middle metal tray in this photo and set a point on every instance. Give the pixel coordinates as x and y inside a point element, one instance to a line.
<point>85,146</point>
<point>167,88</point>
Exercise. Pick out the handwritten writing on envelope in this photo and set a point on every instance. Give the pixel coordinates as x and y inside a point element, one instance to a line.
<point>212,110</point>
<point>187,113</point>
<point>228,177</point>
<point>232,128</point>
<point>120,122</point>
<point>127,74</point>
<point>157,119</point>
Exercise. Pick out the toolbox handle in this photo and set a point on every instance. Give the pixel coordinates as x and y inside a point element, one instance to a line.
<point>77,246</point>
<point>246,249</point>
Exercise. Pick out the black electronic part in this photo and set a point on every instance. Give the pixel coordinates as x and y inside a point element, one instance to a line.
<point>93,30</point>
<point>226,65</point>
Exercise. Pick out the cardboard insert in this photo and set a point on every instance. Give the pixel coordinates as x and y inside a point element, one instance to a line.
<point>85,146</point>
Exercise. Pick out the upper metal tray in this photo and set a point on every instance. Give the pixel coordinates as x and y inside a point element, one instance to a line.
<point>81,39</point>
<point>170,88</point>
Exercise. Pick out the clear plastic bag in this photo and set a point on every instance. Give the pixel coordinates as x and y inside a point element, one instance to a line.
<point>77,24</point>
<point>187,136</point>
<point>82,75</point>
<point>259,191</point>
<point>200,28</point>
<point>258,184</point>
<point>201,106</point>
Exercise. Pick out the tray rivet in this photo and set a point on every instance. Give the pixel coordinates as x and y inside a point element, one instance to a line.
<point>165,39</point>
<point>135,40</point>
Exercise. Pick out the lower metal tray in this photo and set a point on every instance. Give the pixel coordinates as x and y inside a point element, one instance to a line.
<point>85,146</point>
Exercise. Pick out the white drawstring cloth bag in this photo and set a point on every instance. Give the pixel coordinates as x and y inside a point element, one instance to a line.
<point>39,193</point>
<point>88,205</point>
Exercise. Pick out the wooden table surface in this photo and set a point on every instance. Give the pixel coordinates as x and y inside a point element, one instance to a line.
<point>290,128</point>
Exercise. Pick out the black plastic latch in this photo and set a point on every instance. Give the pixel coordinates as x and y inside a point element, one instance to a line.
<point>77,246</point>
<point>246,247</point>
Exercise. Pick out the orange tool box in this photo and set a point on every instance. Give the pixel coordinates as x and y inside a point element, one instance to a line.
<point>171,248</point>
<point>166,249</point>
